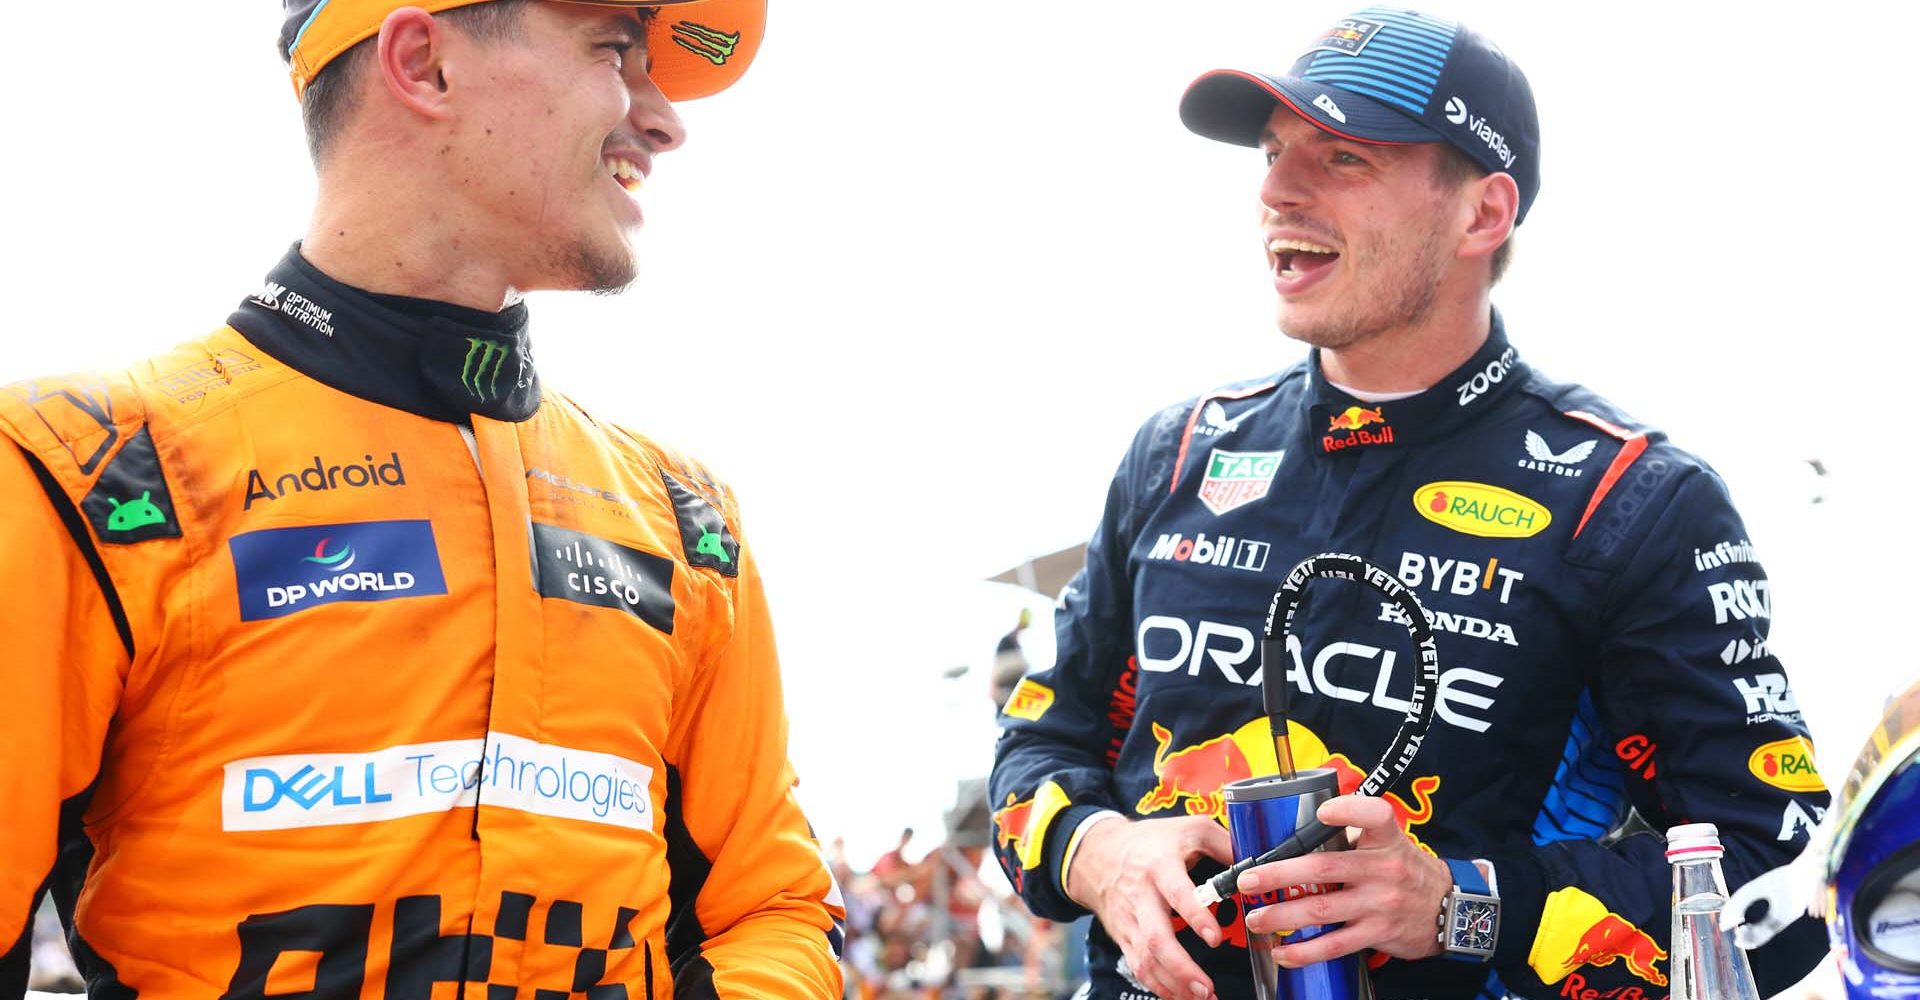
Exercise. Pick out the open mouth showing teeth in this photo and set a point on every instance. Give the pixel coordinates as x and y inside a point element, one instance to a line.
<point>624,172</point>
<point>1296,257</point>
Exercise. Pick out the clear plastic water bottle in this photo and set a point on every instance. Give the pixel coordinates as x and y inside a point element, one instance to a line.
<point>1705,962</point>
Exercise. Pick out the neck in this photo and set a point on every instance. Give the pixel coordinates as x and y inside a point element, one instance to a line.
<point>1413,357</point>
<point>374,230</point>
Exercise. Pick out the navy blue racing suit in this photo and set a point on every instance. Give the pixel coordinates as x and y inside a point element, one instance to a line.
<point>1602,627</point>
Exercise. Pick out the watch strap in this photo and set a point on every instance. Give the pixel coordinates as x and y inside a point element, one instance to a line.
<point>1466,876</point>
<point>1469,898</point>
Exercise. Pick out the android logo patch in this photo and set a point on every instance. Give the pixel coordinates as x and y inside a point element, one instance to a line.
<point>130,501</point>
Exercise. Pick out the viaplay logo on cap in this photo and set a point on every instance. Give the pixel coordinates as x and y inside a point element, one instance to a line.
<point>282,571</point>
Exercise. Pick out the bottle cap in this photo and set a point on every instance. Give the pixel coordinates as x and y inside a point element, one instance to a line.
<point>1694,842</point>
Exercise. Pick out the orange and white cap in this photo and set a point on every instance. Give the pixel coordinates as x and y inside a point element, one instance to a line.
<point>699,47</point>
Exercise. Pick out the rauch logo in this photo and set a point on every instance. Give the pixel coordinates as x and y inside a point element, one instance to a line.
<point>282,571</point>
<point>1479,509</point>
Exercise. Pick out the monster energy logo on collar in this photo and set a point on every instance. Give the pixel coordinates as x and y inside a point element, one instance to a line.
<point>480,373</point>
<point>714,46</point>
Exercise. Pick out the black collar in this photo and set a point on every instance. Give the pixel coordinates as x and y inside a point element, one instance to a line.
<point>432,358</point>
<point>1339,424</point>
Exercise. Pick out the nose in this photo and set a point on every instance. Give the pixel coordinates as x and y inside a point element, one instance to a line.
<point>652,115</point>
<point>1284,186</point>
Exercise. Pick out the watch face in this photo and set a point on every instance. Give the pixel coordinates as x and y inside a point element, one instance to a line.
<point>1473,925</point>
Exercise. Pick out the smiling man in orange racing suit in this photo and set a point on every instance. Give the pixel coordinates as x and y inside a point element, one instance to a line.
<point>343,659</point>
<point>1601,618</point>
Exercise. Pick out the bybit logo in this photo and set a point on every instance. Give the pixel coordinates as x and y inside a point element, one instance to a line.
<point>480,374</point>
<point>714,46</point>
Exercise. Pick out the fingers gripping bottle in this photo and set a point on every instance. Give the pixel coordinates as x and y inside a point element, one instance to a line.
<point>1262,813</point>
<point>1706,964</point>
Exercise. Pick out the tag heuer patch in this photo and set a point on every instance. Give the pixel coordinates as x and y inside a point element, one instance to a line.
<point>703,532</point>
<point>130,502</point>
<point>1237,478</point>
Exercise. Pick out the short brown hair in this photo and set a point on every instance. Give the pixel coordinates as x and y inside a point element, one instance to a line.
<point>1451,169</point>
<point>330,97</point>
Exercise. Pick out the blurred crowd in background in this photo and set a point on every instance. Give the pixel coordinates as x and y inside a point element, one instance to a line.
<point>947,926</point>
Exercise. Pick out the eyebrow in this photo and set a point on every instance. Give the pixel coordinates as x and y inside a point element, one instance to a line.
<point>633,30</point>
<point>1319,135</point>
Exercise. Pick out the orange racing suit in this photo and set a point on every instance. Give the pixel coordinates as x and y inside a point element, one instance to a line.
<point>342,661</point>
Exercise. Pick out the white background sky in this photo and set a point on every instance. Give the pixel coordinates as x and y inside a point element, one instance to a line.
<point>912,285</point>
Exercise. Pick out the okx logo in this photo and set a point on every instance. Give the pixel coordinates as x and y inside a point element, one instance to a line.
<point>480,373</point>
<point>282,571</point>
<point>710,44</point>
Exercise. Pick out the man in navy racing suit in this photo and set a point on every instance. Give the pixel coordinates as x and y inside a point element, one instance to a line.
<point>1601,617</point>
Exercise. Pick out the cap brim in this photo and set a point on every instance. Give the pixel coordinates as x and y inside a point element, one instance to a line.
<point>1232,105</point>
<point>699,47</point>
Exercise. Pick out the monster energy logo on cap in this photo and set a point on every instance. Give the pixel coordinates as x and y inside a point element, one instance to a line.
<point>480,373</point>
<point>714,46</point>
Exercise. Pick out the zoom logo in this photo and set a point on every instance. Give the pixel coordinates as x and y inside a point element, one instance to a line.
<point>502,771</point>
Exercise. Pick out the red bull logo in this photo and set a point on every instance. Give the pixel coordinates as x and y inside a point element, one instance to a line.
<point>1355,417</point>
<point>1577,929</point>
<point>1011,822</point>
<point>1613,938</point>
<point>1022,826</point>
<point>1354,420</point>
<point>1194,775</point>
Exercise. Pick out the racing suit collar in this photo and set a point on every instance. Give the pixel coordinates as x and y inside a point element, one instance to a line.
<point>430,358</point>
<point>1339,424</point>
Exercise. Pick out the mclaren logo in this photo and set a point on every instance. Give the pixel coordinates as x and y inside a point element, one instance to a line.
<point>714,46</point>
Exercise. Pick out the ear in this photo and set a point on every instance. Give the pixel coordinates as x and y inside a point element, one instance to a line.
<point>410,49</point>
<point>1494,204</point>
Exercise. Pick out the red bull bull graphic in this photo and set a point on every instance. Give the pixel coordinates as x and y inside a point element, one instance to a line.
<point>1196,774</point>
<point>1193,775</point>
<point>1355,417</point>
<point>1576,929</point>
<point>1021,827</point>
<point>1011,822</point>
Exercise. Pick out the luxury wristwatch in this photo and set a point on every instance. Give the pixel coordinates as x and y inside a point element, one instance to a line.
<point>1469,915</point>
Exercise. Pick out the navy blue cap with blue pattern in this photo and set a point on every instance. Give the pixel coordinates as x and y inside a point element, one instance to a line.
<point>1388,75</point>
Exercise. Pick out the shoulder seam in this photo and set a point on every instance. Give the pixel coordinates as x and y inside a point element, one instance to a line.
<point>76,527</point>
<point>1193,417</point>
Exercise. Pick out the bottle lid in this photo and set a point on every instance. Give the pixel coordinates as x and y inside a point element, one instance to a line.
<point>1694,842</point>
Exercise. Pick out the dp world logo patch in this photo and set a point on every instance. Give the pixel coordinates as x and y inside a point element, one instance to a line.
<point>282,571</point>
